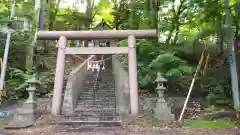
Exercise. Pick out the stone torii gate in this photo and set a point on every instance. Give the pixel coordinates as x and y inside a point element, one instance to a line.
<point>63,36</point>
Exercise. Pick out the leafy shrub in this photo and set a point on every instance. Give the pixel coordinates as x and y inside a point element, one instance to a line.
<point>151,58</point>
<point>217,82</point>
<point>15,83</point>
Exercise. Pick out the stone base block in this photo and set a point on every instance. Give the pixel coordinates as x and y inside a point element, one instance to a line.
<point>29,106</point>
<point>21,121</point>
<point>163,112</point>
<point>164,117</point>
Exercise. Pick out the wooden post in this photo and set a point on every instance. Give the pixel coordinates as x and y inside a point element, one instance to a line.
<point>132,70</point>
<point>191,86</point>
<point>58,85</point>
<point>2,92</point>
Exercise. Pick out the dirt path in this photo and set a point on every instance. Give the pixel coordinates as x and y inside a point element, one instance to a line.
<point>131,130</point>
<point>140,126</point>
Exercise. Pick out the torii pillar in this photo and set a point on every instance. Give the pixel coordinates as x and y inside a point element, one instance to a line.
<point>132,71</point>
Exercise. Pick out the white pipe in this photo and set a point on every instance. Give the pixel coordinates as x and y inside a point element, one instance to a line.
<point>5,57</point>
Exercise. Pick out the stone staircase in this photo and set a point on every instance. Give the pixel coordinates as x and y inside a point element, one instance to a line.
<point>96,106</point>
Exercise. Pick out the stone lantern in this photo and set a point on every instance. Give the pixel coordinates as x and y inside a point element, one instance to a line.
<point>26,116</point>
<point>30,103</point>
<point>162,110</point>
<point>160,80</point>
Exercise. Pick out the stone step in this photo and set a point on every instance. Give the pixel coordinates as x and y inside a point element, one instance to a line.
<point>97,98</point>
<point>110,81</point>
<point>90,118</point>
<point>83,107</point>
<point>88,106</point>
<point>93,116</point>
<point>98,93</point>
<point>96,109</point>
<point>106,75</point>
<point>86,126</point>
<point>102,90</point>
<point>92,95</point>
<point>91,75</point>
<point>91,103</point>
<point>90,82</point>
<point>99,111</point>
<point>90,78</point>
<point>105,88</point>
<point>97,89</point>
<point>106,78</point>
<point>102,86</point>
<point>90,87</point>
<point>91,113</point>
<point>107,71</point>
<point>96,102</point>
<point>99,83</point>
<point>105,81</point>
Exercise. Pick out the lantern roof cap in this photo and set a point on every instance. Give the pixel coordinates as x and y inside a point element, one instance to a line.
<point>160,78</point>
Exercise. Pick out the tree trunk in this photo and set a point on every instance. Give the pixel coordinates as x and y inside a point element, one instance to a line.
<point>167,42</point>
<point>232,57</point>
<point>42,21</point>
<point>30,48</point>
<point>176,35</point>
<point>220,35</point>
<point>175,22</point>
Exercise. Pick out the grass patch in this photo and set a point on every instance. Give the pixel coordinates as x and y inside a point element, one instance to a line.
<point>208,124</point>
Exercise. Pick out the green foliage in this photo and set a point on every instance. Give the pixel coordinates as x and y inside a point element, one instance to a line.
<point>47,83</point>
<point>152,59</point>
<point>170,64</point>
<point>16,83</point>
<point>216,82</point>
